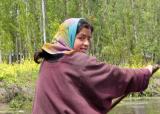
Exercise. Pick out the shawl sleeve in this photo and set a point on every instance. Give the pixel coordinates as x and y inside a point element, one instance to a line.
<point>112,81</point>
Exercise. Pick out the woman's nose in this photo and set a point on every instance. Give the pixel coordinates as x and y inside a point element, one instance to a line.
<point>86,43</point>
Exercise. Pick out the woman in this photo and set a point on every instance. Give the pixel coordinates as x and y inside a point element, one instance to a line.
<point>72,82</point>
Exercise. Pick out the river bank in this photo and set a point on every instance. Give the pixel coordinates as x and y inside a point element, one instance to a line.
<point>4,106</point>
<point>5,109</point>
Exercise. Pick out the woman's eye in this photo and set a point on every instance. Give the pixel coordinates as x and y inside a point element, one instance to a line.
<point>81,38</point>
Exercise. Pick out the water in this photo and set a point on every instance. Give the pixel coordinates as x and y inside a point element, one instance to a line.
<point>129,106</point>
<point>138,106</point>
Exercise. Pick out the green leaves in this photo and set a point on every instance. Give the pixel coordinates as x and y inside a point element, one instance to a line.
<point>128,28</point>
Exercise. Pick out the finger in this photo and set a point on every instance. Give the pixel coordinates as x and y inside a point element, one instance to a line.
<point>155,68</point>
<point>158,62</point>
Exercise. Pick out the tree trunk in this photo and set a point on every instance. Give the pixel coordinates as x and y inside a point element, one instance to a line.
<point>65,9</point>
<point>43,21</point>
<point>134,20</point>
<point>0,57</point>
<point>82,8</point>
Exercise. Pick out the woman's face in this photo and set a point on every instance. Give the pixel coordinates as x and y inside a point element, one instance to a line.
<point>83,40</point>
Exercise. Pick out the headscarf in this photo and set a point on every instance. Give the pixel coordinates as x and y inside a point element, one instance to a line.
<point>63,41</point>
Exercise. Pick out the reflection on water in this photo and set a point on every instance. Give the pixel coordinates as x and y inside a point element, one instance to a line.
<point>129,106</point>
<point>138,106</point>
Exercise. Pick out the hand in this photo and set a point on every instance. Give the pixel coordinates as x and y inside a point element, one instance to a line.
<point>155,68</point>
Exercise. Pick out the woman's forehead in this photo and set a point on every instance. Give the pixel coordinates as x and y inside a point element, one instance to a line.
<point>85,32</point>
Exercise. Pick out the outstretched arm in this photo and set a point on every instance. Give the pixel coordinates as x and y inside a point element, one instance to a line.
<point>152,68</point>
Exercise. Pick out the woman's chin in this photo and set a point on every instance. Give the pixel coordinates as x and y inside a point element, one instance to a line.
<point>83,51</point>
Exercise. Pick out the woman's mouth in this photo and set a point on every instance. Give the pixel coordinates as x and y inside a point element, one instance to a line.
<point>84,50</point>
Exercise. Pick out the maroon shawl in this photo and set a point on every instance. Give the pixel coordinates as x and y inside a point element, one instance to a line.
<point>79,84</point>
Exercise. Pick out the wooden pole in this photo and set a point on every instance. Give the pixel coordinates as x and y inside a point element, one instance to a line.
<point>116,102</point>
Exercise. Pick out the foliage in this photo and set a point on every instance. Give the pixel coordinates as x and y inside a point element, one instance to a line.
<point>22,77</point>
<point>21,102</point>
<point>126,31</point>
<point>20,74</point>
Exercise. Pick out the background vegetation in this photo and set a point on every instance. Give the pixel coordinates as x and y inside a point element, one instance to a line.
<point>126,31</point>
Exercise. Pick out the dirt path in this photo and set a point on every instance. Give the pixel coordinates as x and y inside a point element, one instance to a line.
<point>3,107</point>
